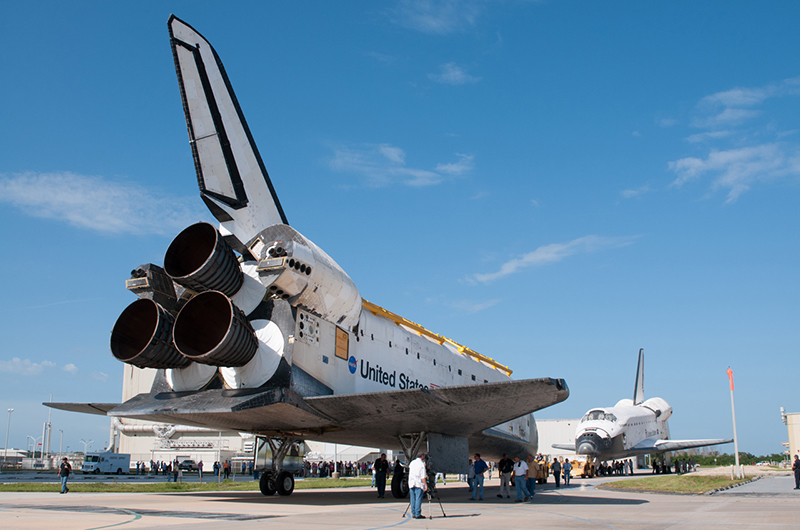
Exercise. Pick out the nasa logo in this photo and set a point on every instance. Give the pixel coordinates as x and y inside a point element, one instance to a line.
<point>352,364</point>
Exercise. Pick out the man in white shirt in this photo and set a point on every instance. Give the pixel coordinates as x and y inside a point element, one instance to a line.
<point>417,484</point>
<point>520,470</point>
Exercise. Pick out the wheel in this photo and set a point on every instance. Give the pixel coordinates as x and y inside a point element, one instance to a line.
<point>267,484</point>
<point>97,471</point>
<point>285,483</point>
<point>400,484</point>
<point>119,471</point>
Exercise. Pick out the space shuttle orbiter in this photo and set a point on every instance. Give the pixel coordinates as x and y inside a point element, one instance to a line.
<point>252,327</point>
<point>630,428</point>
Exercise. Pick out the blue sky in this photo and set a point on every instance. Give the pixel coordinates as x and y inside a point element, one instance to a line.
<point>554,184</point>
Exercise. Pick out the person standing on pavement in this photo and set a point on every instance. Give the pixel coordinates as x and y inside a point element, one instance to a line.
<point>417,484</point>
<point>555,467</point>
<point>63,471</point>
<point>381,470</point>
<point>796,469</point>
<point>505,467</point>
<point>480,468</point>
<point>471,475</point>
<point>567,467</point>
<point>531,475</point>
<point>520,473</point>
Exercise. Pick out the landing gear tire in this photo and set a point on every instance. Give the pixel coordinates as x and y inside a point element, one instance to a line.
<point>285,483</point>
<point>400,484</point>
<point>267,484</point>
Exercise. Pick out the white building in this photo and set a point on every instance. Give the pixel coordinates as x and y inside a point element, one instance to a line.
<point>792,422</point>
<point>146,441</point>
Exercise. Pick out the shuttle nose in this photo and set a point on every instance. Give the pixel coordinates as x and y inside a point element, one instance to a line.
<point>590,443</point>
<point>587,447</point>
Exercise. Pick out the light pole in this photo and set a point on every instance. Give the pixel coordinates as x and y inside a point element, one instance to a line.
<point>61,443</point>
<point>85,445</point>
<point>8,428</point>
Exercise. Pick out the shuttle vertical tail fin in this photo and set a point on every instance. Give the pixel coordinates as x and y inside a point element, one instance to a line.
<point>638,390</point>
<point>233,181</point>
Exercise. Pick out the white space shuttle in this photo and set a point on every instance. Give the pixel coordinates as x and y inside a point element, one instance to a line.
<point>629,428</point>
<point>253,328</point>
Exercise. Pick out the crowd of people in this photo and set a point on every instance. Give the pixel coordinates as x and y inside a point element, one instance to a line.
<point>326,468</point>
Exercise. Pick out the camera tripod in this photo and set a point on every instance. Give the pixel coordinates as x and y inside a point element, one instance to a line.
<point>431,492</point>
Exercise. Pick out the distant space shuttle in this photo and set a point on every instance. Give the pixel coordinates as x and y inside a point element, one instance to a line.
<point>629,428</point>
<point>252,327</point>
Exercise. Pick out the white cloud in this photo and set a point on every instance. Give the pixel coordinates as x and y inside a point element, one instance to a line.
<point>737,103</point>
<point>452,74</point>
<point>436,16</point>
<point>667,122</point>
<point>736,117</point>
<point>710,135</point>
<point>749,97</point>
<point>474,307</point>
<point>70,368</point>
<point>384,164</point>
<point>738,169</point>
<point>99,376</point>
<point>95,203</point>
<point>24,367</point>
<point>726,118</point>
<point>463,165</point>
<point>381,57</point>
<point>629,194</point>
<point>554,253</point>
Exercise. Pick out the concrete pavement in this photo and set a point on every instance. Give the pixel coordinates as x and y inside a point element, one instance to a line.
<point>580,506</point>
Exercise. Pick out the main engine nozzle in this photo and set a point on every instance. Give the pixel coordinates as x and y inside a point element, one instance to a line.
<point>210,329</point>
<point>142,336</point>
<point>198,258</point>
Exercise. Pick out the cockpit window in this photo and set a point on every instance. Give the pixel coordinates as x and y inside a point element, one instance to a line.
<point>598,415</point>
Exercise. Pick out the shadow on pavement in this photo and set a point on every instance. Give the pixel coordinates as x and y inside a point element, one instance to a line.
<point>345,496</point>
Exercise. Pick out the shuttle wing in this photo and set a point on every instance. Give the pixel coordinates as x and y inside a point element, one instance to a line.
<point>564,447</point>
<point>233,181</point>
<point>675,445</point>
<point>372,419</point>
<point>650,446</point>
<point>456,410</point>
<point>85,408</point>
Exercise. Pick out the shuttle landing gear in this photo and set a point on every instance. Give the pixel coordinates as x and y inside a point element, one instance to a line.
<point>400,483</point>
<point>411,444</point>
<point>276,480</point>
<point>267,484</point>
<point>285,483</point>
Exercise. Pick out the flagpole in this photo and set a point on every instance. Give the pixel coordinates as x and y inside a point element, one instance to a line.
<point>737,469</point>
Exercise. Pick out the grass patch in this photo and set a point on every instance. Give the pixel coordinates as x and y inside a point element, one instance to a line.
<point>171,487</point>
<point>676,483</point>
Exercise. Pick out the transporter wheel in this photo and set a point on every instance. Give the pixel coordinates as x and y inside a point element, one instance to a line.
<point>96,471</point>
<point>267,484</point>
<point>400,484</point>
<point>119,471</point>
<point>285,483</point>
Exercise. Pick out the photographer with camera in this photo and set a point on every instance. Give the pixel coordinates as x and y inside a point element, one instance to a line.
<point>417,484</point>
